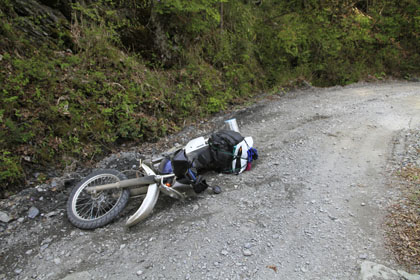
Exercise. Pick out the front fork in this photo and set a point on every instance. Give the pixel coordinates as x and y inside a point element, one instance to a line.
<point>152,195</point>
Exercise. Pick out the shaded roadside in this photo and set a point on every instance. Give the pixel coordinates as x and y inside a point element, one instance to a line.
<point>403,222</point>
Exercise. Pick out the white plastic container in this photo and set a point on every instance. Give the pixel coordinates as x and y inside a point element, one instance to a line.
<point>232,125</point>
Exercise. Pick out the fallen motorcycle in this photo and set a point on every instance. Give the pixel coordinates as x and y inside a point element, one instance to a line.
<point>102,195</point>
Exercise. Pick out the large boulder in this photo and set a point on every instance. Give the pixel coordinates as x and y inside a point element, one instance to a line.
<point>374,271</point>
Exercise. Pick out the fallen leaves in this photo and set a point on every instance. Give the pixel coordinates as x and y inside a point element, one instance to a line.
<point>404,234</point>
<point>404,220</point>
<point>273,267</point>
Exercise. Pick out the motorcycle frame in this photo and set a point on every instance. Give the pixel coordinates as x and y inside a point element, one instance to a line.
<point>151,185</point>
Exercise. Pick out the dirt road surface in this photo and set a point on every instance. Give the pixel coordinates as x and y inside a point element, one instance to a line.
<point>312,207</point>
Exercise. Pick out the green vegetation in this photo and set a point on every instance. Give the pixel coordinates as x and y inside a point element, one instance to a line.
<point>77,80</point>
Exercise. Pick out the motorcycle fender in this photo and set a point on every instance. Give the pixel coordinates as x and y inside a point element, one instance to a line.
<point>148,202</point>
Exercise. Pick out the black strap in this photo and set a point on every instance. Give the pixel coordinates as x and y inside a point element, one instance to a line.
<point>238,160</point>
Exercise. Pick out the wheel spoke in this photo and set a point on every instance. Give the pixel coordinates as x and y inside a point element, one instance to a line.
<point>81,209</point>
<point>87,210</point>
<point>102,209</point>
<point>84,213</point>
<point>108,204</point>
<point>81,204</point>
<point>98,210</point>
<point>91,212</point>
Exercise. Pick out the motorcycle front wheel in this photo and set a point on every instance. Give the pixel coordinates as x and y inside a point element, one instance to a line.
<point>87,210</point>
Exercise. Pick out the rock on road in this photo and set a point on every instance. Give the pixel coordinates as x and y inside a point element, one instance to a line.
<point>312,207</point>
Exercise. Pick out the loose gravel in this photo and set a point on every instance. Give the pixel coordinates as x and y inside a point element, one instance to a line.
<point>312,207</point>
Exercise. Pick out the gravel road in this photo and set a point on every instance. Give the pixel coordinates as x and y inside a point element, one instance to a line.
<point>312,207</point>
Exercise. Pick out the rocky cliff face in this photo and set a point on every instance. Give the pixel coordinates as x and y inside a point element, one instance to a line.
<point>64,6</point>
<point>40,21</point>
